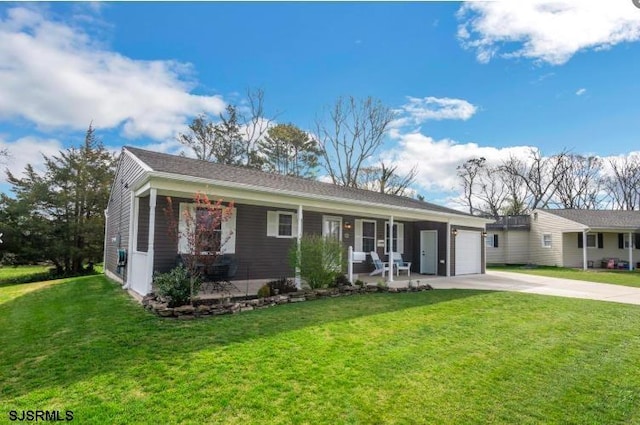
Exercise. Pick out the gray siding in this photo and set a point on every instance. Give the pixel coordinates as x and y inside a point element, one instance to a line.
<point>513,247</point>
<point>117,225</point>
<point>545,223</point>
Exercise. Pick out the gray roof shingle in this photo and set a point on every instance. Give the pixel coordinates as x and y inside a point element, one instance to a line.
<point>190,167</point>
<point>601,219</point>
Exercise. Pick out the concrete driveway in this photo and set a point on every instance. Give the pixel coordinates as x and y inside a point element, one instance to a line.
<point>518,282</point>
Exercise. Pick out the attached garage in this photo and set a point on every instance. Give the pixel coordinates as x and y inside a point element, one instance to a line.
<point>468,248</point>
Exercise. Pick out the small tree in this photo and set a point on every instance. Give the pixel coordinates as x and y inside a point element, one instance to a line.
<point>201,235</point>
<point>320,260</point>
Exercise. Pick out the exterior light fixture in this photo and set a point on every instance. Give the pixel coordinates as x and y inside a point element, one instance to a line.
<point>454,232</point>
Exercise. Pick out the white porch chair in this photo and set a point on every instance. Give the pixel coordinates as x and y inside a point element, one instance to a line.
<point>380,266</point>
<point>400,264</point>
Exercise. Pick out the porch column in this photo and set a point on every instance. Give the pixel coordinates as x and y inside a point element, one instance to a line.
<point>106,235</point>
<point>448,255</point>
<point>153,193</point>
<point>584,249</point>
<point>631,240</point>
<point>350,264</point>
<point>134,202</point>
<point>298,281</point>
<point>390,234</point>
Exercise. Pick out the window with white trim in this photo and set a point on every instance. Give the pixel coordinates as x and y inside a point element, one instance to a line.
<point>282,224</point>
<point>397,238</point>
<point>546,240</point>
<point>332,227</point>
<point>210,238</point>
<point>492,241</point>
<point>368,235</point>
<point>364,235</point>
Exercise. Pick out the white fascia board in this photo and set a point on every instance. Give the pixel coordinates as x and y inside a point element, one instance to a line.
<point>185,184</point>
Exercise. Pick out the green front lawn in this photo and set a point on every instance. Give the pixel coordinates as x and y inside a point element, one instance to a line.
<point>437,357</point>
<point>615,277</point>
<point>11,272</point>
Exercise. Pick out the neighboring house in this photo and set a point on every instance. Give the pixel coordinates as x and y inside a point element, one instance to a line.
<point>573,238</point>
<point>508,240</point>
<point>270,212</point>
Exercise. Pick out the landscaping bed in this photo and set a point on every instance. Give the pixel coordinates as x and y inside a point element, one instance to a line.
<point>233,305</point>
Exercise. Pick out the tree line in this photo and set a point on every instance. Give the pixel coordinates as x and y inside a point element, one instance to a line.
<point>519,185</point>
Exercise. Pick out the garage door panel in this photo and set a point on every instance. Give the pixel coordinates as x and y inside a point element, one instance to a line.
<point>468,252</point>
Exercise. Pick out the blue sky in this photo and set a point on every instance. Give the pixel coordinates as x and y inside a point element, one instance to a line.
<point>467,79</point>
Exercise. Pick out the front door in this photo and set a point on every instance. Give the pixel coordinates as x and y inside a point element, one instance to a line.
<point>429,252</point>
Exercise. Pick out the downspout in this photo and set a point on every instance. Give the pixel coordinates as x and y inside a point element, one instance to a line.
<point>584,249</point>
<point>631,240</point>
<point>448,258</point>
<point>298,279</point>
<point>390,234</point>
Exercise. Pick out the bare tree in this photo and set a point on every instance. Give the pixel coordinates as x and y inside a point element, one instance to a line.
<point>385,179</point>
<point>492,193</point>
<point>539,174</point>
<point>468,173</point>
<point>351,133</point>
<point>624,185</point>
<point>581,183</point>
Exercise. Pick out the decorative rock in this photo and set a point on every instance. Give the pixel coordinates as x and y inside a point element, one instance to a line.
<point>247,308</point>
<point>186,317</point>
<point>297,299</point>
<point>203,309</point>
<point>165,312</point>
<point>184,309</point>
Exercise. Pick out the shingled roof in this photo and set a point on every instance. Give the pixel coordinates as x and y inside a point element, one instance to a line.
<point>179,165</point>
<point>601,219</point>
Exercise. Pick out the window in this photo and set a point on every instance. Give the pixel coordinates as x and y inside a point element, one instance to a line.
<point>591,241</point>
<point>332,227</point>
<point>626,241</point>
<point>210,238</point>
<point>492,241</point>
<point>282,224</point>
<point>368,236</point>
<point>285,224</point>
<point>546,240</point>
<point>397,238</point>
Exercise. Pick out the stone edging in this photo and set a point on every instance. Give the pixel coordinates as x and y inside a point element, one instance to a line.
<point>230,306</point>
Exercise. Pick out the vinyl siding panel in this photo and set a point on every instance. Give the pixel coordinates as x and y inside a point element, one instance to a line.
<point>546,223</point>
<point>513,247</point>
<point>117,225</point>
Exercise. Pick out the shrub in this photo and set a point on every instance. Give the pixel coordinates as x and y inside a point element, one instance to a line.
<point>320,260</point>
<point>341,280</point>
<point>359,283</point>
<point>175,286</point>
<point>282,286</point>
<point>264,291</point>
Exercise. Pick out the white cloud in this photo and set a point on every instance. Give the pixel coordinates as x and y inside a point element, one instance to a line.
<point>418,110</point>
<point>581,91</point>
<point>437,159</point>
<point>546,30</point>
<point>56,76</point>
<point>28,150</point>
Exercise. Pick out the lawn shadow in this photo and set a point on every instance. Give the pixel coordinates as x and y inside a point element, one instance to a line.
<point>72,331</point>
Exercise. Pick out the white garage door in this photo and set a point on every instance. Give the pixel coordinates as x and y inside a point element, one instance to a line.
<point>468,254</point>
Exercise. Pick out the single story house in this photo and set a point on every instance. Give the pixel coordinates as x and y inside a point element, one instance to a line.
<point>270,212</point>
<point>567,238</point>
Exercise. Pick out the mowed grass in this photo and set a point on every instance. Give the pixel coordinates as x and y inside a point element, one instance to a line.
<point>615,277</point>
<point>436,357</point>
<point>11,272</point>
